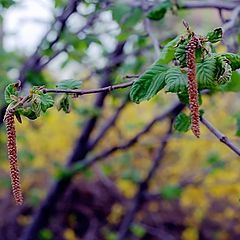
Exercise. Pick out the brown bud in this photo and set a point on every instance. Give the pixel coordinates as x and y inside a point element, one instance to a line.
<point>12,156</point>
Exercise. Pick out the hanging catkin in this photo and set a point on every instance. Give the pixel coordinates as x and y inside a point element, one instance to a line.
<point>12,156</point>
<point>192,85</point>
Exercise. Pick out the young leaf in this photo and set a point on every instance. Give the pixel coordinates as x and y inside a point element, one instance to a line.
<point>11,93</point>
<point>64,104</point>
<point>234,60</point>
<point>182,123</point>
<point>69,84</point>
<point>36,104</point>
<point>206,73</point>
<point>46,102</point>
<point>27,112</point>
<point>215,35</point>
<point>167,53</point>
<point>159,11</point>
<point>148,84</point>
<point>176,81</point>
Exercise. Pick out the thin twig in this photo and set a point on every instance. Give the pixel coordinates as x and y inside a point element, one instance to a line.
<point>221,137</point>
<point>91,91</point>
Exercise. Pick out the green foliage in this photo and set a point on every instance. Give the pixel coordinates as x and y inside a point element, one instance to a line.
<point>234,83</point>
<point>64,104</point>
<point>158,12</point>
<point>149,83</point>
<point>234,60</point>
<point>6,3</point>
<point>11,93</point>
<point>46,102</point>
<point>176,81</point>
<point>215,35</point>
<point>182,122</point>
<point>138,230</point>
<point>170,192</point>
<point>168,52</point>
<point>69,84</point>
<point>238,124</point>
<point>27,112</point>
<point>206,73</point>
<point>126,16</point>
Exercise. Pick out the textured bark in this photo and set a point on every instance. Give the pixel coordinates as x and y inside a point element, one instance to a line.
<point>193,86</point>
<point>12,156</point>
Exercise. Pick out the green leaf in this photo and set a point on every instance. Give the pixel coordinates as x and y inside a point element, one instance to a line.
<point>46,102</point>
<point>234,83</point>
<point>206,73</point>
<point>148,84</point>
<point>11,93</point>
<point>234,60</point>
<point>137,230</point>
<point>215,35</point>
<point>180,53</point>
<point>158,12</point>
<point>168,52</point>
<point>69,84</point>
<point>36,104</point>
<point>64,104</point>
<point>176,81</point>
<point>27,112</point>
<point>182,122</point>
<point>120,10</point>
<point>171,192</point>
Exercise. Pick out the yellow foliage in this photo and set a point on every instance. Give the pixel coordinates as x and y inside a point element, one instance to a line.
<point>127,187</point>
<point>69,234</point>
<point>116,214</point>
<point>190,234</point>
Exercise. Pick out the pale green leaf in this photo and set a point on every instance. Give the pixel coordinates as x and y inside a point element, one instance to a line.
<point>148,84</point>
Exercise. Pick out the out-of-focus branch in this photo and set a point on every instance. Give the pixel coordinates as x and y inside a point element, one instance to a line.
<point>81,149</point>
<point>143,187</point>
<point>197,4</point>
<point>221,137</point>
<point>175,109</point>
<point>148,29</point>
<point>109,124</point>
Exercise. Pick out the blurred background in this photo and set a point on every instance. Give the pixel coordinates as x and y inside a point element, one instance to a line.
<point>194,193</point>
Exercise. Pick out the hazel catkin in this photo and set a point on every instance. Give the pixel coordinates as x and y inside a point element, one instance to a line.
<point>192,85</point>
<point>12,156</point>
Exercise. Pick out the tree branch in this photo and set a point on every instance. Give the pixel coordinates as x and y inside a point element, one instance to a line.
<point>81,149</point>
<point>143,187</point>
<point>84,92</point>
<point>221,137</point>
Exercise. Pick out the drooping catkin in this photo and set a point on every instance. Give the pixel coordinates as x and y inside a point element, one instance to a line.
<point>192,85</point>
<point>12,156</point>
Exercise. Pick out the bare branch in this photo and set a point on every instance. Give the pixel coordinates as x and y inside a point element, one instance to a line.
<point>221,137</point>
<point>91,91</point>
